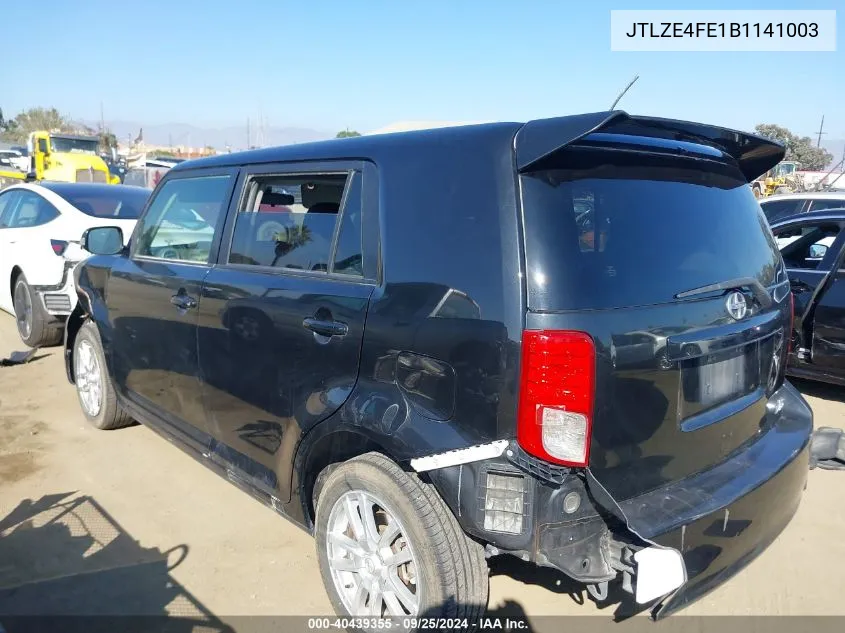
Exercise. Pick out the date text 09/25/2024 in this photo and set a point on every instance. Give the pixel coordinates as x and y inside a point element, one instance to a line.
<point>421,624</point>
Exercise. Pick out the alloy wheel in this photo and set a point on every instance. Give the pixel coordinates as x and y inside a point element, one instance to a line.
<point>373,566</point>
<point>89,382</point>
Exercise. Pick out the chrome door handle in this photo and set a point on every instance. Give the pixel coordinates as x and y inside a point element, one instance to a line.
<point>183,301</point>
<point>325,328</point>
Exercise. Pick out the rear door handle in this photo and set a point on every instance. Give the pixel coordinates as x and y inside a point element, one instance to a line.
<point>325,328</point>
<point>183,301</point>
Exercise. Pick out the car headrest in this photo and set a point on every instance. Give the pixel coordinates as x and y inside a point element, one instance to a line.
<point>277,199</point>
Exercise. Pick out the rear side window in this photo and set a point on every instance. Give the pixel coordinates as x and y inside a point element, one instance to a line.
<point>613,229</point>
<point>821,205</point>
<point>7,205</point>
<point>777,209</point>
<point>290,222</point>
<point>180,221</point>
<point>31,210</point>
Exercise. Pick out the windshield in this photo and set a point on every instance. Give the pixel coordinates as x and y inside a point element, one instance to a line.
<point>122,203</point>
<point>77,145</point>
<point>616,229</point>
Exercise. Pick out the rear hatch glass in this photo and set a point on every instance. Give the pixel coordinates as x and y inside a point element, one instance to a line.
<point>608,229</point>
<point>623,243</point>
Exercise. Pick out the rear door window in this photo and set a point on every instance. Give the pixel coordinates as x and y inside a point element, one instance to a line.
<point>289,222</point>
<point>614,229</point>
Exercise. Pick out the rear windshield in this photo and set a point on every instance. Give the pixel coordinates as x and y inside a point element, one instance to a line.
<point>606,229</point>
<point>122,203</point>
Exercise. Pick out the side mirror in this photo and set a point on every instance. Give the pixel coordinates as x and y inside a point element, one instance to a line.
<point>103,240</point>
<point>818,251</point>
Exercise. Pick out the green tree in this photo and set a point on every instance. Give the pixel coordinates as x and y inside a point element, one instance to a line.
<point>347,133</point>
<point>36,119</point>
<point>798,148</point>
<point>8,128</point>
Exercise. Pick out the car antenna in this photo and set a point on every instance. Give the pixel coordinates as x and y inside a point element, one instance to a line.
<point>622,94</point>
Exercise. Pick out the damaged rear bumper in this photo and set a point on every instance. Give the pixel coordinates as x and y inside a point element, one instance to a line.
<point>718,520</point>
<point>723,518</point>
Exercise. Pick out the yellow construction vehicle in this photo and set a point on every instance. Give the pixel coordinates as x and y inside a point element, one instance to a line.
<point>61,158</point>
<point>782,178</point>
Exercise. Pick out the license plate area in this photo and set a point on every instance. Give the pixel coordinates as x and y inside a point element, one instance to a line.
<point>713,380</point>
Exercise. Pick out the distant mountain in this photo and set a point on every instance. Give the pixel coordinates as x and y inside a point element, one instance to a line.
<point>193,136</point>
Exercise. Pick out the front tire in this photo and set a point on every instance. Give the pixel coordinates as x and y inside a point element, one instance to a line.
<point>35,325</point>
<point>388,546</point>
<point>93,383</point>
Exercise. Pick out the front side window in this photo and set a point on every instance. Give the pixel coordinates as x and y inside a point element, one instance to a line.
<point>805,246</point>
<point>289,222</point>
<point>180,222</point>
<point>31,210</point>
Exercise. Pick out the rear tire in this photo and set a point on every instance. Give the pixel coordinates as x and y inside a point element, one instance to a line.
<point>93,384</point>
<point>36,327</point>
<point>781,190</point>
<point>449,570</point>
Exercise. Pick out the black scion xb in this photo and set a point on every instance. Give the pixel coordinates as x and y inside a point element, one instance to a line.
<point>562,340</point>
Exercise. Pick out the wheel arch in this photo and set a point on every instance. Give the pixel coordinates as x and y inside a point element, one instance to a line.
<point>72,326</point>
<point>17,271</point>
<point>324,450</point>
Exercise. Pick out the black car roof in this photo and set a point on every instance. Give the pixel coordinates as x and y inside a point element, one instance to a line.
<point>535,141</point>
<point>352,147</point>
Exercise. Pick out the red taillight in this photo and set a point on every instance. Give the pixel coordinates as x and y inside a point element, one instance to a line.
<point>59,246</point>
<point>557,387</point>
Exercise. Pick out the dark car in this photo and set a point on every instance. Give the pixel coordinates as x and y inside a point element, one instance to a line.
<point>812,248</point>
<point>570,349</point>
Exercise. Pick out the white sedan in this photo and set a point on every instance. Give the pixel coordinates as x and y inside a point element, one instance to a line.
<point>40,229</point>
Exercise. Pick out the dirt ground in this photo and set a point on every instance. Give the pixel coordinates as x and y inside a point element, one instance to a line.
<point>122,521</point>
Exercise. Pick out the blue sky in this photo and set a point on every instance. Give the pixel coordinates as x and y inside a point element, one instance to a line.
<point>328,64</point>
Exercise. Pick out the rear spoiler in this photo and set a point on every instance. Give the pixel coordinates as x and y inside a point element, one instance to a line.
<point>538,140</point>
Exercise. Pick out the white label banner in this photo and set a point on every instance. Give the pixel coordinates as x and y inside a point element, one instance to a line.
<point>723,30</point>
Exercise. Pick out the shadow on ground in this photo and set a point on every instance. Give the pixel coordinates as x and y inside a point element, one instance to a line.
<point>64,555</point>
<point>822,390</point>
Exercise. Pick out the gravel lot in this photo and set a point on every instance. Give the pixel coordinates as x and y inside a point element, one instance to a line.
<point>124,522</point>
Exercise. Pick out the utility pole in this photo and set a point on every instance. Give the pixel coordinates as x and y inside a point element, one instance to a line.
<point>247,132</point>
<point>821,128</point>
<point>102,119</point>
